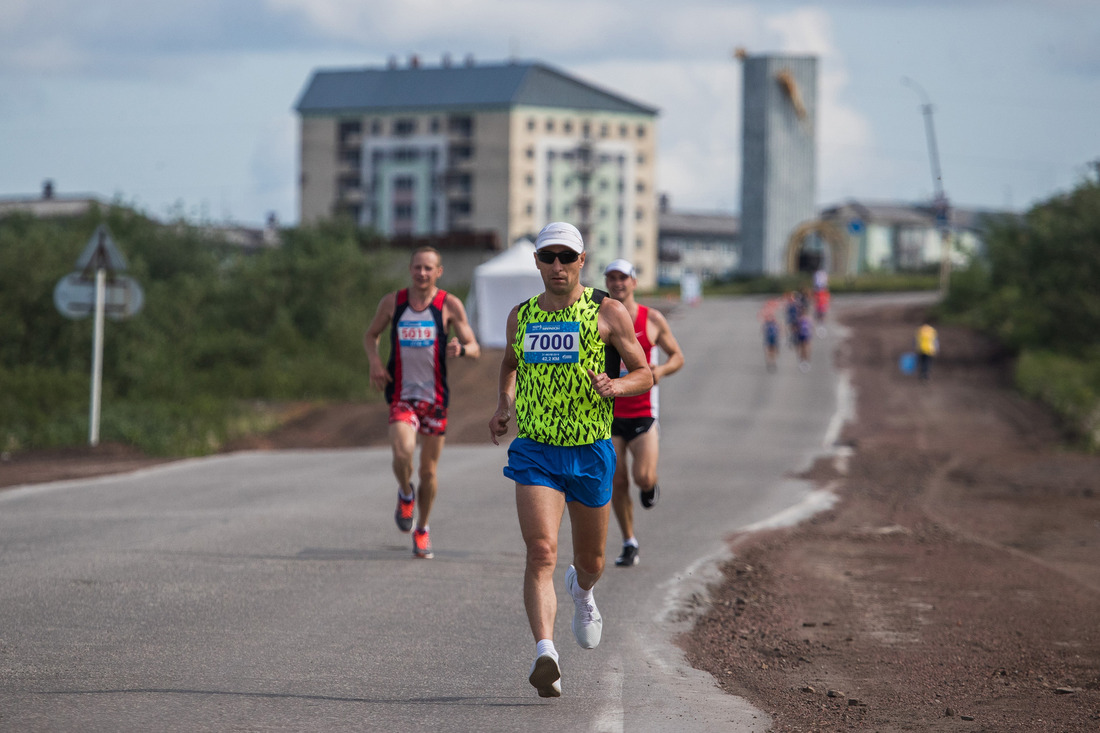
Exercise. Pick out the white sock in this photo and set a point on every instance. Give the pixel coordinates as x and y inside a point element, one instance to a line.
<point>581,594</point>
<point>406,497</point>
<point>632,542</point>
<point>546,646</point>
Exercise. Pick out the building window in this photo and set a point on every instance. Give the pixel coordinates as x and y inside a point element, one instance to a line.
<point>405,155</point>
<point>434,127</point>
<point>622,131</point>
<point>586,129</point>
<point>461,125</point>
<point>640,187</point>
<point>639,215</point>
<point>530,152</point>
<point>462,182</point>
<point>641,158</point>
<point>347,129</point>
<point>641,130</point>
<point>404,126</point>
<point>530,180</point>
<point>461,151</point>
<point>568,127</point>
<point>403,211</point>
<point>347,184</point>
<point>530,210</point>
<point>603,130</point>
<point>404,183</point>
<point>531,124</point>
<point>550,124</point>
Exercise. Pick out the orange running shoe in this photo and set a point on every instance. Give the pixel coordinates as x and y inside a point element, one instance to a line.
<point>422,544</point>
<point>404,514</point>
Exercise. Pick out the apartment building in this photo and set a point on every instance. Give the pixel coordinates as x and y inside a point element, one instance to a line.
<point>487,150</point>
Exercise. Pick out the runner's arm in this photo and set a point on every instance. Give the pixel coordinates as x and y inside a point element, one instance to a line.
<point>463,343</point>
<point>506,392</point>
<point>669,345</point>
<point>379,377</point>
<point>617,329</point>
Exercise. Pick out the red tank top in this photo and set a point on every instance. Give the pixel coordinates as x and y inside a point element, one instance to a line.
<point>645,404</point>
<point>418,352</point>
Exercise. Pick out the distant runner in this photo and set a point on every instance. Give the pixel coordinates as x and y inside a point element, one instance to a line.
<point>634,431</point>
<point>415,381</point>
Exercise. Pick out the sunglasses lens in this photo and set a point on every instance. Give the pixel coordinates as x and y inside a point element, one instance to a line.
<point>565,258</point>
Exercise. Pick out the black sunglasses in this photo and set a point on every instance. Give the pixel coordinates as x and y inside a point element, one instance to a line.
<point>567,257</point>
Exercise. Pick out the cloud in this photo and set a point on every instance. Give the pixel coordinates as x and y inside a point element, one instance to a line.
<point>135,38</point>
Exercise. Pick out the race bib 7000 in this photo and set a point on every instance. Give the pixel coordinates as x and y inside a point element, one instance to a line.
<point>552,343</point>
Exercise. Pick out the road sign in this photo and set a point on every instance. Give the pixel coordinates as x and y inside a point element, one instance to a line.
<point>74,297</point>
<point>101,252</point>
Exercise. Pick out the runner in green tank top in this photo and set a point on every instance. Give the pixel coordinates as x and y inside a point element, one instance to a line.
<point>554,378</point>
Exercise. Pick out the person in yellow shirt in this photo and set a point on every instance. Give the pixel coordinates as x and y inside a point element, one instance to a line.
<point>560,379</point>
<point>928,345</point>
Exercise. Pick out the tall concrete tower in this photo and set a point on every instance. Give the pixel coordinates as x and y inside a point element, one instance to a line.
<point>778,156</point>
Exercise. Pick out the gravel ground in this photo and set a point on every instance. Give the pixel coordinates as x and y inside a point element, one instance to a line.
<point>956,584</point>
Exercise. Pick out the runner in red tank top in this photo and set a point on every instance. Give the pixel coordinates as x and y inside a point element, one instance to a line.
<point>414,381</point>
<point>634,430</point>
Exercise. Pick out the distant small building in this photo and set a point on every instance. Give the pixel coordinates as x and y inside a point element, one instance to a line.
<point>900,237</point>
<point>50,204</point>
<point>705,244</point>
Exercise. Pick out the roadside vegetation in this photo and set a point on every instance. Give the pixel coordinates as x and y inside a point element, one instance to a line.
<point>225,337</point>
<point>1037,291</point>
<point>229,340</point>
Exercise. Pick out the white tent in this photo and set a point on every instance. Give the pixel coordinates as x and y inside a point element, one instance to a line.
<point>498,286</point>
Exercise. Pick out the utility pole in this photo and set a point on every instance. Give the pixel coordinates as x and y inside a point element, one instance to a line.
<point>939,203</point>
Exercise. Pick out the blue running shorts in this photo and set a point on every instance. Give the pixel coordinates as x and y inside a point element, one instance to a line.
<point>582,472</point>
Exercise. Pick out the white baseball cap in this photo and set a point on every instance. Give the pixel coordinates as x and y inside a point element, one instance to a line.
<point>560,232</point>
<point>620,265</point>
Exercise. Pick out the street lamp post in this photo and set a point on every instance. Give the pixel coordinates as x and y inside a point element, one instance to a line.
<point>939,203</point>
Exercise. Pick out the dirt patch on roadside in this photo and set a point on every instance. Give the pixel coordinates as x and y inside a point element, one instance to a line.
<point>956,584</point>
<point>344,425</point>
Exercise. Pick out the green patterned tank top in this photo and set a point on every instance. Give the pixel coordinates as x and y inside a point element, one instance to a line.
<point>555,401</point>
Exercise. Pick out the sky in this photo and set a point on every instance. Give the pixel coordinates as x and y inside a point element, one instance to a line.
<point>187,109</point>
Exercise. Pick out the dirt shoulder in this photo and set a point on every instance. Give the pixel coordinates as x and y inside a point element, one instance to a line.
<point>956,584</point>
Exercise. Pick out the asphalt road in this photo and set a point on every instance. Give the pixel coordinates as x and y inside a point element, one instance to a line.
<point>271,591</point>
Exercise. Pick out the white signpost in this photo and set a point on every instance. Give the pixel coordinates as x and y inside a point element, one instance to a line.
<point>97,288</point>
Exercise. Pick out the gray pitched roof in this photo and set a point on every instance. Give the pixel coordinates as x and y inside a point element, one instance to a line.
<point>457,87</point>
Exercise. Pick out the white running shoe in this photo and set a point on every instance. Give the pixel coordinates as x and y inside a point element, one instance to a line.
<point>587,621</point>
<point>546,676</point>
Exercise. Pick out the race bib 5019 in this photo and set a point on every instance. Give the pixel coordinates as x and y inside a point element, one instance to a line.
<point>416,333</point>
<point>552,343</point>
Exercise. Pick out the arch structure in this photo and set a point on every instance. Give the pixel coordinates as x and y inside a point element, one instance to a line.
<point>835,240</point>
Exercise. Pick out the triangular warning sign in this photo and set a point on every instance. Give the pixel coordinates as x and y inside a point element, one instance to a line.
<point>101,252</point>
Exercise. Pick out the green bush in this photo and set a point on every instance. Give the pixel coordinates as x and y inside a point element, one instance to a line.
<point>220,327</point>
<point>43,407</point>
<point>1070,386</point>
